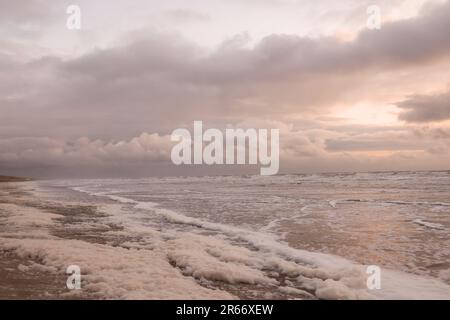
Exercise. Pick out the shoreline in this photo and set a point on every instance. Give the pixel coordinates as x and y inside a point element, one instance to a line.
<point>14,179</point>
<point>40,236</point>
<point>51,235</point>
<point>22,276</point>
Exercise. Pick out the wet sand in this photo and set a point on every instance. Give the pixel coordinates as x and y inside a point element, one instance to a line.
<point>26,278</point>
<point>13,179</point>
<point>17,281</point>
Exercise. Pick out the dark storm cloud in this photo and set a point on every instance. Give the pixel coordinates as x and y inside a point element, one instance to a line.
<point>425,108</point>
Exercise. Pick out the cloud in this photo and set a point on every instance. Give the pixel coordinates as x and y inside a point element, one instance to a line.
<point>159,81</point>
<point>300,151</point>
<point>373,145</point>
<point>186,15</point>
<point>156,82</point>
<point>23,11</point>
<point>420,108</point>
<point>29,152</point>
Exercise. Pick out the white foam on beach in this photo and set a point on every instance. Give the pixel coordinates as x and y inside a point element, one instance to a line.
<point>24,221</point>
<point>114,272</point>
<point>108,272</point>
<point>166,263</point>
<point>212,259</point>
<point>329,276</point>
<point>429,224</point>
<point>333,277</point>
<point>333,203</point>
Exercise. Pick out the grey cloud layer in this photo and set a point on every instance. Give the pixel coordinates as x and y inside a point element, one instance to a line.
<point>318,149</point>
<point>276,57</point>
<point>158,82</point>
<point>426,108</point>
<point>162,81</point>
<point>23,11</point>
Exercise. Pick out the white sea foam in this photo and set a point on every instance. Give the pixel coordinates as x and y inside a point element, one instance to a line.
<point>329,276</point>
<point>113,272</point>
<point>333,203</point>
<point>108,272</point>
<point>24,221</point>
<point>161,261</point>
<point>430,225</point>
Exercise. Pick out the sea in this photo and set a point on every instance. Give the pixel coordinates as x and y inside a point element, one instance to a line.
<point>381,235</point>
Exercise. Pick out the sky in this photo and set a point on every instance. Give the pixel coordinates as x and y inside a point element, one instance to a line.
<point>103,101</point>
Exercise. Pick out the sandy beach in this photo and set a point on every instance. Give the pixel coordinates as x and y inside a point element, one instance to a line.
<point>168,239</point>
<point>40,238</point>
<point>22,276</point>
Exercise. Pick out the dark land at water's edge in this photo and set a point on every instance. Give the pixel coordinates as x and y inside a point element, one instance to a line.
<point>13,179</point>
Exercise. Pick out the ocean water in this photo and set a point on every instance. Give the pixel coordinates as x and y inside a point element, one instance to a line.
<point>283,237</point>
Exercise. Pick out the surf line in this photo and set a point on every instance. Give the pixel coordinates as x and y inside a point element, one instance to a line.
<point>208,147</point>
